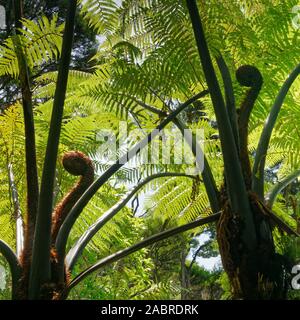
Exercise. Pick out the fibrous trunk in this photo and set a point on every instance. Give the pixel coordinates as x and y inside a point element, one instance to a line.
<point>253,274</point>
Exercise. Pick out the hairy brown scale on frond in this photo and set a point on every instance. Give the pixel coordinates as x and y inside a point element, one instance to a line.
<point>78,164</point>
<point>247,76</point>
<point>195,188</point>
<point>257,273</point>
<point>54,289</point>
<point>228,237</point>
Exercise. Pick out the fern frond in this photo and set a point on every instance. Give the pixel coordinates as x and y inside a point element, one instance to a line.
<point>40,41</point>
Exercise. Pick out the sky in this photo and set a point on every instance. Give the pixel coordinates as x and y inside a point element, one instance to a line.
<point>207,263</point>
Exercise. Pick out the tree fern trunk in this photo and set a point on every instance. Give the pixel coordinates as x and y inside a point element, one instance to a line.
<point>244,232</point>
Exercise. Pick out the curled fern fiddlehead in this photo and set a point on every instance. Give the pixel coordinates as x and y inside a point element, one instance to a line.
<point>78,164</point>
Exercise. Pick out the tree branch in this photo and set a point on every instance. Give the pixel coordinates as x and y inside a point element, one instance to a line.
<point>201,247</point>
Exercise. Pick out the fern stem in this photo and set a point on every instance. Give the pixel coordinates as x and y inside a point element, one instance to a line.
<point>145,105</point>
<point>40,270</point>
<point>233,172</point>
<point>263,144</point>
<point>30,145</point>
<point>142,244</point>
<point>77,249</point>
<point>271,196</point>
<point>83,201</point>
<point>17,211</point>
<point>243,74</point>
<point>207,176</point>
<point>229,98</point>
<point>14,266</point>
